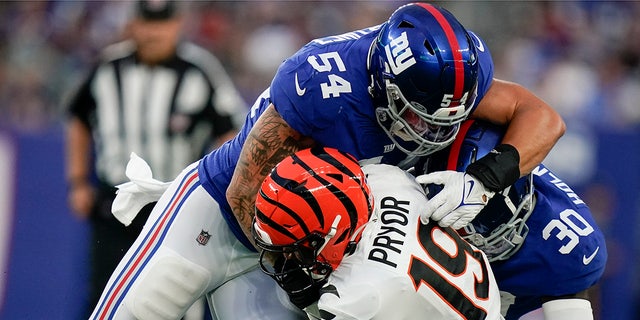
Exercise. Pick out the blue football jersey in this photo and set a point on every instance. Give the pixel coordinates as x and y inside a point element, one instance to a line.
<point>564,251</point>
<point>322,92</point>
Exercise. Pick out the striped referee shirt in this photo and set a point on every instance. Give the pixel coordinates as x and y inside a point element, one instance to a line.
<point>169,114</point>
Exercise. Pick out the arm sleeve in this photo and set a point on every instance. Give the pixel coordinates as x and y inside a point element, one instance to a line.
<point>296,93</point>
<point>298,114</point>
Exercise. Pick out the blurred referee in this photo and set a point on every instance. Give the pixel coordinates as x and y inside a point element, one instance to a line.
<point>166,99</point>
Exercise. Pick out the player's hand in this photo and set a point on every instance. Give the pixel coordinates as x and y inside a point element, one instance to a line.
<point>460,200</point>
<point>81,199</point>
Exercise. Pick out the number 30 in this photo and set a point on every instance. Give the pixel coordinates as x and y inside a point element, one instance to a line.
<point>573,231</point>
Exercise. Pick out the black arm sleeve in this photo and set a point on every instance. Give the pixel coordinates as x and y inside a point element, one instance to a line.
<point>498,169</point>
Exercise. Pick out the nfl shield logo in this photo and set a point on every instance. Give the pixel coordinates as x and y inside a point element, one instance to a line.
<point>203,237</point>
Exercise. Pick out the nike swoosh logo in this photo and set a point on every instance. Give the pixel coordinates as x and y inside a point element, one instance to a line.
<point>481,45</point>
<point>470,188</point>
<point>586,260</point>
<point>299,90</point>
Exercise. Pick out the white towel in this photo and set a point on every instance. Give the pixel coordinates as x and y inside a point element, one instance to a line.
<point>141,190</point>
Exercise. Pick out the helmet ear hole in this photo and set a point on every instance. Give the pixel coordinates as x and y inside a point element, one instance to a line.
<point>405,24</point>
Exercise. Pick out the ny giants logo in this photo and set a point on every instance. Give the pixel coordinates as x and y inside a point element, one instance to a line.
<point>400,58</point>
<point>399,54</point>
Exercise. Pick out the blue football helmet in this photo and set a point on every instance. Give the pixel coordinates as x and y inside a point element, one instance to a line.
<point>424,77</point>
<point>499,229</point>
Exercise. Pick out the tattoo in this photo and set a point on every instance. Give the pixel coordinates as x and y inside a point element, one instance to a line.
<point>270,141</point>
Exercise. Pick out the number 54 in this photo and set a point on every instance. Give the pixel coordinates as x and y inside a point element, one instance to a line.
<point>337,84</point>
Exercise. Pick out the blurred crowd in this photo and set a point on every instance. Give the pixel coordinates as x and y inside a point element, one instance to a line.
<point>583,57</point>
<point>579,56</point>
<point>48,46</point>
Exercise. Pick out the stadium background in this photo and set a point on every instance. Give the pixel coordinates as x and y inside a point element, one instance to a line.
<point>580,56</point>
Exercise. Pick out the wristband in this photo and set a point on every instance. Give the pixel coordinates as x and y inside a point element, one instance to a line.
<point>498,169</point>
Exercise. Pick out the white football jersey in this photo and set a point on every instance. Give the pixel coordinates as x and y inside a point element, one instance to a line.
<point>403,269</point>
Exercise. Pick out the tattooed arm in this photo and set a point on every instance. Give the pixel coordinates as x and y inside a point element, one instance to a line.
<point>270,140</point>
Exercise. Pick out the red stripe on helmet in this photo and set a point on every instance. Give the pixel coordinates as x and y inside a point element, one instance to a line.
<point>454,152</point>
<point>455,48</point>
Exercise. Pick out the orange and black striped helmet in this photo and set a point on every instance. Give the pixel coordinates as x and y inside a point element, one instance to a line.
<point>311,209</point>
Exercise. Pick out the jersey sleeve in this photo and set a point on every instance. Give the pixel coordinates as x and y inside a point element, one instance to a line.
<point>296,93</point>
<point>486,67</point>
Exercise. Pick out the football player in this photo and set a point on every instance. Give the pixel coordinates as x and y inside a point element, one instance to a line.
<point>390,94</point>
<point>320,222</point>
<point>385,94</point>
<point>544,246</point>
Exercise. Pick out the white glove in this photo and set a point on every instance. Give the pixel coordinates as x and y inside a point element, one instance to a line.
<point>460,200</point>
<point>132,196</point>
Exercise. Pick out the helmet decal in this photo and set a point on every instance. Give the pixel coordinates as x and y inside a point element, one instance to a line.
<point>305,193</point>
<point>399,54</point>
<point>458,65</point>
<point>310,211</point>
<point>274,225</point>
